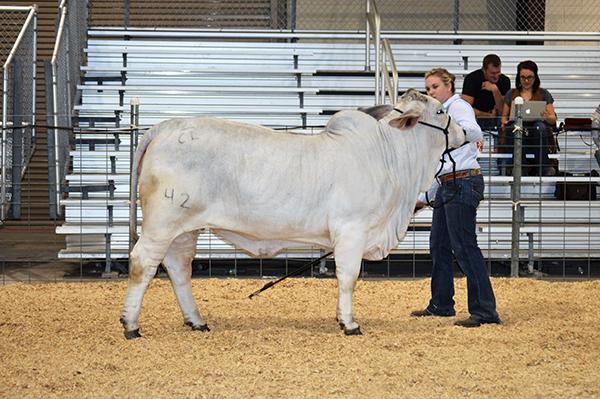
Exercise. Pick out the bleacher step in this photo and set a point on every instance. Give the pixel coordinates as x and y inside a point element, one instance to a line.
<point>173,77</point>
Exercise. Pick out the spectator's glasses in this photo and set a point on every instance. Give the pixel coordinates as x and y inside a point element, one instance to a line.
<point>527,78</point>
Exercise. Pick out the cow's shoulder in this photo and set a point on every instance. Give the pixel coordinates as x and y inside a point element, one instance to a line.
<point>350,122</point>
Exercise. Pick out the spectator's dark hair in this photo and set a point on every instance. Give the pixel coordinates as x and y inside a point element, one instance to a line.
<point>531,66</point>
<point>491,59</point>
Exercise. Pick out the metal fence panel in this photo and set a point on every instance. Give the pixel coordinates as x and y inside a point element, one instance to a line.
<point>557,237</point>
<point>463,15</point>
<point>397,15</point>
<point>18,47</point>
<point>266,14</point>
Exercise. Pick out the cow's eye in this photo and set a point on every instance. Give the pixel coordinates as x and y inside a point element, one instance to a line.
<point>440,111</point>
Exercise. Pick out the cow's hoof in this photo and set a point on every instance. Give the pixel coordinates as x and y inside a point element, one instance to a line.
<point>353,331</point>
<point>198,327</point>
<point>202,327</point>
<point>133,334</point>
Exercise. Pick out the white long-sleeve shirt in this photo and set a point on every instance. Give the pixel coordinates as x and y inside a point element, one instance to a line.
<point>465,157</point>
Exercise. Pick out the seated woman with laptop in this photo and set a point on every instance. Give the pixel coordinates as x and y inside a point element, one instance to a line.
<point>538,117</point>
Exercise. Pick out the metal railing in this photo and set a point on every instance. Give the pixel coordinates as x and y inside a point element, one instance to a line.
<point>383,57</point>
<point>67,57</point>
<point>553,228</point>
<point>18,109</point>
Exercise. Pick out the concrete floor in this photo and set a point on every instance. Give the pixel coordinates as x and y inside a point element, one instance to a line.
<point>30,253</point>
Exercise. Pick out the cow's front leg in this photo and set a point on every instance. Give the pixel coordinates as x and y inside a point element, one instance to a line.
<point>179,266</point>
<point>348,255</point>
<point>143,262</point>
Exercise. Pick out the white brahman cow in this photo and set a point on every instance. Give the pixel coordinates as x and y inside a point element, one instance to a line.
<point>352,188</point>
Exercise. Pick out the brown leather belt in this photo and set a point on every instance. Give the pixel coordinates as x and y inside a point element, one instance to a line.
<point>459,175</point>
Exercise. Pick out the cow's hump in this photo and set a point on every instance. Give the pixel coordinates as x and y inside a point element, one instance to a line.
<point>351,122</point>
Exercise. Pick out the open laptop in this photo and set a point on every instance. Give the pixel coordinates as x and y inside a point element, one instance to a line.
<point>531,110</point>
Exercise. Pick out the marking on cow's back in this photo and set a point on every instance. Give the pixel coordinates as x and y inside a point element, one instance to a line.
<point>183,204</point>
<point>172,192</point>
<point>182,198</point>
<point>187,136</point>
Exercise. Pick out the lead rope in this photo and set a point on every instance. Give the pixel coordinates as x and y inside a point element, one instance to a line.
<point>443,161</point>
<point>294,273</point>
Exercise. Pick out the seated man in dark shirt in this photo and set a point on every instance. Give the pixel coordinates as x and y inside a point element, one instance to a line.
<point>484,89</point>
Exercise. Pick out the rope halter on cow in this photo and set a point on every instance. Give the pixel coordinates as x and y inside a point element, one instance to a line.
<point>448,151</point>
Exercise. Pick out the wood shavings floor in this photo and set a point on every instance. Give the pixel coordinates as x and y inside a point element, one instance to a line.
<point>64,340</point>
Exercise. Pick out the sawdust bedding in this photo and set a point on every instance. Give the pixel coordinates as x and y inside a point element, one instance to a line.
<point>64,340</point>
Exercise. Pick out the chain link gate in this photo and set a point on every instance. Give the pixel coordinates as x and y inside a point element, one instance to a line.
<point>18,58</point>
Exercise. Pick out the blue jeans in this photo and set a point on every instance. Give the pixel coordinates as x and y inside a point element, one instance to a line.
<point>453,232</point>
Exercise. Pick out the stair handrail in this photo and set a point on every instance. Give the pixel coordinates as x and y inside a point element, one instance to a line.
<point>383,56</point>
<point>53,63</point>
<point>390,84</point>
<point>67,56</point>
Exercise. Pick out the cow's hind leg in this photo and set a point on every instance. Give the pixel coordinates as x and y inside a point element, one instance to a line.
<point>178,263</point>
<point>143,262</point>
<point>348,255</point>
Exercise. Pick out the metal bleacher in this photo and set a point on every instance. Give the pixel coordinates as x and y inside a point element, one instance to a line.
<point>299,85</point>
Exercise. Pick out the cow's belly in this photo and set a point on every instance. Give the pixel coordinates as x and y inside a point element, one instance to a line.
<point>268,247</point>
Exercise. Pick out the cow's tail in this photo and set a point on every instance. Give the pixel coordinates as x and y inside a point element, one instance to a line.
<point>133,184</point>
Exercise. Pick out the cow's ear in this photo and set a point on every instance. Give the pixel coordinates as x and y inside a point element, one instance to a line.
<point>378,112</point>
<point>407,120</point>
<point>404,122</point>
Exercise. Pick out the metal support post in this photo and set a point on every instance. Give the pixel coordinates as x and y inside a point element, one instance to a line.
<point>126,14</point>
<point>34,77</point>
<point>456,19</point>
<point>108,261</point>
<point>50,121</point>
<point>456,14</point>
<point>517,217</point>
<point>293,15</point>
<point>378,76</point>
<point>3,157</point>
<point>368,39</point>
<point>17,141</point>
<point>374,27</point>
<point>530,263</point>
<point>134,122</point>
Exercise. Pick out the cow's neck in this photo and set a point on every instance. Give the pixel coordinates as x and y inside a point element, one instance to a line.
<point>412,158</point>
<point>414,152</point>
